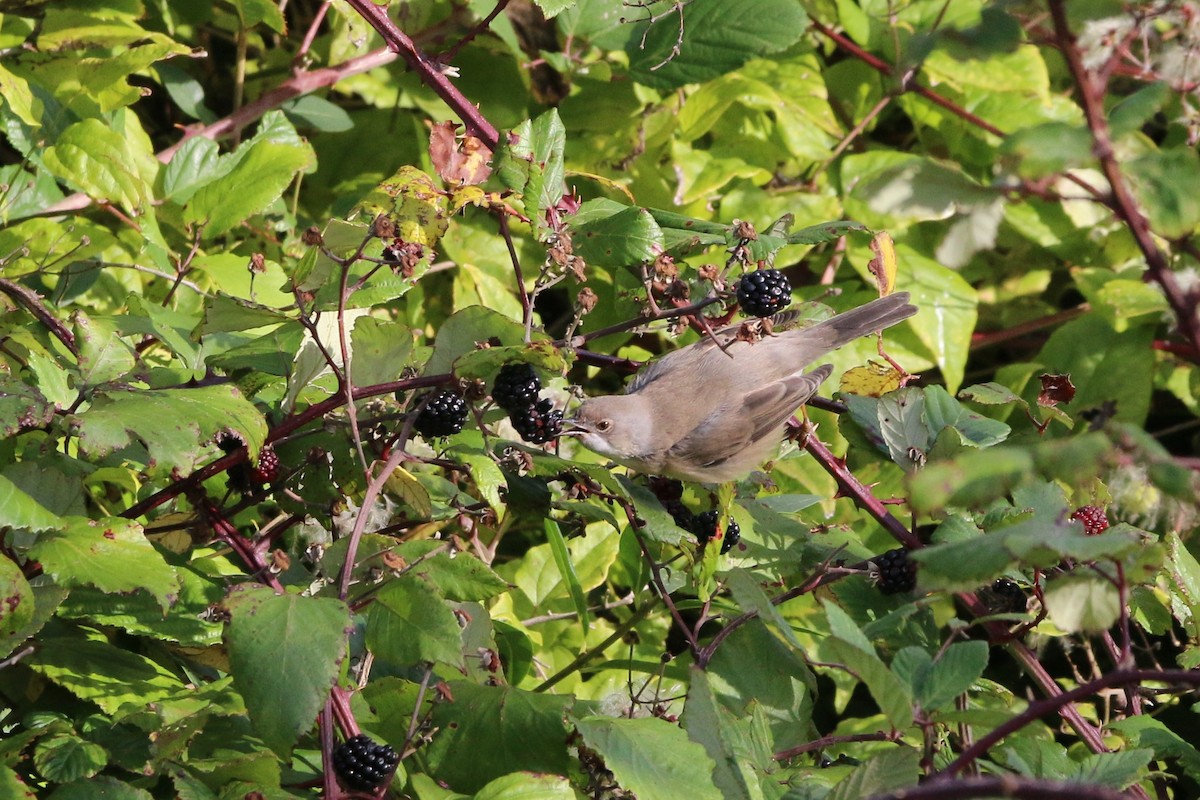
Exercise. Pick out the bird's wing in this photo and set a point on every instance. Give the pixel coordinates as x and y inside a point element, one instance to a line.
<point>728,432</point>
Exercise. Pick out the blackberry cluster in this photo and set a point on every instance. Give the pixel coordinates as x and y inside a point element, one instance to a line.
<point>538,424</point>
<point>363,765</point>
<point>894,573</point>
<point>516,387</point>
<point>704,526</point>
<point>764,293</point>
<point>267,469</point>
<point>443,415</point>
<point>1094,520</point>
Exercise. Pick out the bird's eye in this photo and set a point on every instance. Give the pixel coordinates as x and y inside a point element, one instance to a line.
<point>604,425</point>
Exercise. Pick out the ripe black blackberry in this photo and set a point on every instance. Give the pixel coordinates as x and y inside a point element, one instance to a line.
<point>516,387</point>
<point>680,513</point>
<point>704,526</point>
<point>443,415</point>
<point>894,573</point>
<point>267,469</point>
<point>763,293</point>
<point>539,423</point>
<point>1094,520</point>
<point>1004,597</point>
<point>362,764</point>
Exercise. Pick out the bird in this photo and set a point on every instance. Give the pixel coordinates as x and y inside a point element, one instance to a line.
<point>715,411</point>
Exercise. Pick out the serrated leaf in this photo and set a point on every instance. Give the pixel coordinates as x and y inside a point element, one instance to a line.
<point>962,565</point>
<point>118,681</point>
<point>503,728</point>
<point>530,162</point>
<point>1078,603</point>
<point>953,673</point>
<point>16,610</point>
<point>22,406</point>
<point>64,757</point>
<point>608,234</point>
<point>651,758</point>
<point>721,35</point>
<point>943,411</point>
<point>103,164</point>
<point>704,724</point>
<point>857,653</point>
<point>413,201</point>
<point>527,786</point>
<point>257,180</point>
<point>284,652</point>
<point>460,576</point>
<point>404,485</point>
<point>409,623</point>
<point>111,554</point>
<point>103,355</point>
<point>750,597</point>
<point>902,425</point>
<point>19,510</point>
<point>103,786</point>
<point>174,424</point>
<point>194,164</point>
<point>889,771</point>
<point>488,477</point>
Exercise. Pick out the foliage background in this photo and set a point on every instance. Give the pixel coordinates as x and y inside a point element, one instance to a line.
<point>196,204</point>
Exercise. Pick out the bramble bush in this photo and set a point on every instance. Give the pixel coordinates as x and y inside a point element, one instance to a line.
<point>262,263</point>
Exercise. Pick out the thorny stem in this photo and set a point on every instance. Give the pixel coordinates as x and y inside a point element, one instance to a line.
<point>1041,708</point>
<point>34,305</point>
<point>1091,97</point>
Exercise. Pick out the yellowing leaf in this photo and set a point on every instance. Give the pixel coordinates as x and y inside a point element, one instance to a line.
<point>884,265</point>
<point>873,380</point>
<point>404,484</point>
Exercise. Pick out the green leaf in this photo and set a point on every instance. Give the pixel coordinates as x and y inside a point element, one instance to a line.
<point>16,611</point>
<point>460,576</point>
<point>103,786</point>
<point>607,234</point>
<point>1047,149</point>
<point>856,651</point>
<point>504,729</point>
<point>713,38</point>
<point>947,315</point>
<point>317,113</point>
<point>410,624</point>
<point>1160,181</point>
<point>257,180</point>
<point>562,559</point>
<point>530,162</point>
<point>890,771</point>
<point>527,786</point>
<point>954,672</point>
<point>10,784</point>
<point>943,411</point>
<point>22,406</point>
<point>99,161</point>
<point>111,554</point>
<point>705,726</point>
<point>103,355</point>
<point>750,597</point>
<point>174,424</point>
<point>973,479</point>
<point>118,681</point>
<point>64,757</point>
<point>651,758</point>
<point>1116,770</point>
<point>1087,603</point>
<point>194,164</point>
<point>902,426</point>
<point>19,510</point>
<point>464,330</point>
<point>964,565</point>
<point>284,652</point>
<point>1104,366</point>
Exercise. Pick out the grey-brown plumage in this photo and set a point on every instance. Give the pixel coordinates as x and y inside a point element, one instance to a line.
<point>706,414</point>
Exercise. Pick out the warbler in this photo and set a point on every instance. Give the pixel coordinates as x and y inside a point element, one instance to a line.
<point>715,410</point>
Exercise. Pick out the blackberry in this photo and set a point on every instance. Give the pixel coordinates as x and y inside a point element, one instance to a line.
<point>1004,597</point>
<point>267,469</point>
<point>704,526</point>
<point>763,293</point>
<point>539,423</point>
<point>894,573</point>
<point>1094,520</point>
<point>680,513</point>
<point>516,387</point>
<point>363,765</point>
<point>443,415</point>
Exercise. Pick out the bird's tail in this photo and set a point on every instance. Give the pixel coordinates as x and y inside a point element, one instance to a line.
<point>874,316</point>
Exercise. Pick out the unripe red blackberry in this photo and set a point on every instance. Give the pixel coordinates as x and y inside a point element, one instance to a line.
<point>1094,520</point>
<point>894,573</point>
<point>443,415</point>
<point>704,526</point>
<point>362,764</point>
<point>267,469</point>
<point>539,423</point>
<point>763,293</point>
<point>516,387</point>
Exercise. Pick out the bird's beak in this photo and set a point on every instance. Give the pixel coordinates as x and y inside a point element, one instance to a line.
<point>573,426</point>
